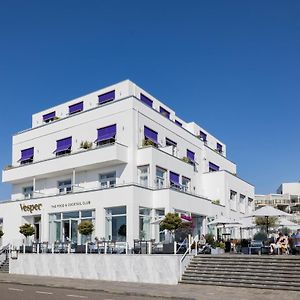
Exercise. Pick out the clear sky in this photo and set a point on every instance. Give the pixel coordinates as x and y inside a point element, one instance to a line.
<point>231,66</point>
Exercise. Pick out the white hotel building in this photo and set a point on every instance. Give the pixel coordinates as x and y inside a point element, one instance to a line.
<point>142,162</point>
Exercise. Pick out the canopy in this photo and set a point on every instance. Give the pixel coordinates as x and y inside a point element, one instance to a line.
<point>223,221</point>
<point>268,211</point>
<point>287,223</point>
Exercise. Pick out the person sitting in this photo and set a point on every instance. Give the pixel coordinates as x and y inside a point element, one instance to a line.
<point>282,243</point>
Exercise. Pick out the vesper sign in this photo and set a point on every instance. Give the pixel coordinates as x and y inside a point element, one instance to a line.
<point>31,207</point>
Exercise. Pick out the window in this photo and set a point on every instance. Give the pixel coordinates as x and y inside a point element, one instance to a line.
<point>160,177</point>
<point>191,156</point>
<point>174,180</point>
<point>63,146</point>
<point>28,192</point>
<point>185,184</point>
<point>106,135</point>
<point>75,108</point>
<point>65,186</point>
<point>107,97</point>
<point>26,156</point>
<point>233,199</point>
<point>107,180</point>
<point>219,148</point>
<point>203,136</point>
<point>150,136</point>
<point>49,117</point>
<point>164,112</point>
<point>115,223</point>
<point>212,167</point>
<point>143,173</point>
<point>144,223</point>
<point>170,143</point>
<point>146,100</point>
<point>242,203</point>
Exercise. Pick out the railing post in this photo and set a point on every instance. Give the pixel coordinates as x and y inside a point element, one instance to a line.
<point>126,248</point>
<point>23,248</point>
<point>52,248</point>
<point>150,247</point>
<point>175,247</point>
<point>37,248</point>
<point>105,248</point>
<point>69,248</point>
<point>86,248</point>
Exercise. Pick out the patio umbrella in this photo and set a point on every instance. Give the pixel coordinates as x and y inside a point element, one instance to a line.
<point>287,223</point>
<point>223,221</point>
<point>268,211</point>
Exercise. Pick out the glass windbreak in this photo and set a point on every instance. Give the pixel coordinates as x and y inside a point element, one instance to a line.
<point>65,186</point>
<point>28,192</point>
<point>143,175</point>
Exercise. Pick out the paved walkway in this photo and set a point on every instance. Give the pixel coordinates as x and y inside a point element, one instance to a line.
<point>180,291</point>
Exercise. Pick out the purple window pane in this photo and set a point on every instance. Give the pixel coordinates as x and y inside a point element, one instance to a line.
<point>49,116</point>
<point>178,123</point>
<point>110,96</point>
<point>146,100</point>
<point>75,108</point>
<point>63,144</point>
<point>27,154</point>
<point>203,136</point>
<point>213,167</point>
<point>164,112</point>
<point>190,155</point>
<point>174,178</point>
<point>219,147</point>
<point>150,134</point>
<point>186,217</point>
<point>106,133</point>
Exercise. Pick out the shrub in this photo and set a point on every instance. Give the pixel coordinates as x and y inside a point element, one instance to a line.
<point>147,142</point>
<point>260,236</point>
<point>86,227</point>
<point>86,145</point>
<point>27,230</point>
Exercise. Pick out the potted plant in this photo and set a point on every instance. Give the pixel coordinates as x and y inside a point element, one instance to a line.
<point>85,228</point>
<point>27,230</point>
<point>86,145</point>
<point>186,159</point>
<point>147,142</point>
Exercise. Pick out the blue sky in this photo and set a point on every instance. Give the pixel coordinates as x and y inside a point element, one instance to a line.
<point>231,66</point>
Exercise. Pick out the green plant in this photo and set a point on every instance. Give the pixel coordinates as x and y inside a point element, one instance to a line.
<point>56,118</point>
<point>186,159</point>
<point>171,222</point>
<point>8,167</point>
<point>220,245</point>
<point>1,233</point>
<point>217,201</point>
<point>147,142</point>
<point>260,236</point>
<point>27,230</point>
<point>86,227</point>
<point>86,145</point>
<point>286,231</point>
<point>210,239</point>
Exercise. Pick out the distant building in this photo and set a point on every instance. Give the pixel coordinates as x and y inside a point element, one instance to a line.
<point>287,198</point>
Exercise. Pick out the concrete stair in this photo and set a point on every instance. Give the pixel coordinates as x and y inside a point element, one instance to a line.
<point>268,272</point>
<point>4,266</point>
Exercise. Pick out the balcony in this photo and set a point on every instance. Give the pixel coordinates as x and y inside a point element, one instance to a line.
<point>107,155</point>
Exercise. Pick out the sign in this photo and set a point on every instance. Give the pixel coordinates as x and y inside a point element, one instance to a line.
<point>31,207</point>
<point>71,204</point>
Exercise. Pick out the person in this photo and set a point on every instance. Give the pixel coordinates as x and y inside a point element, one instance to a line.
<point>274,246</point>
<point>202,241</point>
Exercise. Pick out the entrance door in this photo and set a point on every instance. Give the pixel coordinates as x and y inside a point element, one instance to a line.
<point>66,231</point>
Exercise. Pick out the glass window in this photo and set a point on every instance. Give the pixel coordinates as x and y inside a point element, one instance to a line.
<point>65,186</point>
<point>28,192</point>
<point>160,177</point>
<point>144,223</point>
<point>233,203</point>
<point>71,214</point>
<point>186,182</point>
<point>143,174</point>
<point>115,227</point>
<point>107,180</point>
<point>87,214</point>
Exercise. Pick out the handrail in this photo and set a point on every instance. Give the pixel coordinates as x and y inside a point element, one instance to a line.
<point>188,251</point>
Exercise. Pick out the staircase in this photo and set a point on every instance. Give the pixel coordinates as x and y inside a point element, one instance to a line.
<point>4,266</point>
<point>267,272</point>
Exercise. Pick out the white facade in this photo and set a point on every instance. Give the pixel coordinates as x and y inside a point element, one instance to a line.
<point>122,180</point>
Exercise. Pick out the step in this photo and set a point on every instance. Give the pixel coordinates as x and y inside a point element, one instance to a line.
<point>239,280</point>
<point>245,268</point>
<point>245,264</point>
<point>265,279</point>
<point>258,286</point>
<point>294,274</point>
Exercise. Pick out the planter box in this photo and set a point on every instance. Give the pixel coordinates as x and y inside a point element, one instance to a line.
<point>217,251</point>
